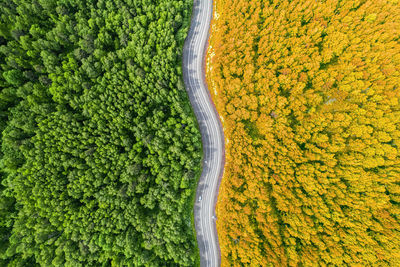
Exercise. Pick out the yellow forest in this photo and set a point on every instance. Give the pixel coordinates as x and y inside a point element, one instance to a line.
<point>308,92</point>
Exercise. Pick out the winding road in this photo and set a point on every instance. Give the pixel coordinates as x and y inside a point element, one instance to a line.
<point>211,130</point>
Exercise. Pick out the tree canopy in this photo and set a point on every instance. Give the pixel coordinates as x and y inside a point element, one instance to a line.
<point>309,92</point>
<point>100,149</point>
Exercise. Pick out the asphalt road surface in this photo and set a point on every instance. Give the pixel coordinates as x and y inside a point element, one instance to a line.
<point>211,131</point>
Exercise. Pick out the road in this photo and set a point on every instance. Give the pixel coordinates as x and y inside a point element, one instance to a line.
<point>211,130</point>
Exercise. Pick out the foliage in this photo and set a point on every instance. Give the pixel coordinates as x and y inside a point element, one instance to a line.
<point>100,147</point>
<point>309,92</point>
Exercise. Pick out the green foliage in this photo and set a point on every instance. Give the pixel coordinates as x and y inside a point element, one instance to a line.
<point>100,148</point>
<point>13,77</point>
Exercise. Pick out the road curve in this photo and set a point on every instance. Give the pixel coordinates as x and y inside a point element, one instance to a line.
<point>194,51</point>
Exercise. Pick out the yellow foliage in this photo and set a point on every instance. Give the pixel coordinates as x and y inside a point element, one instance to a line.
<point>309,92</point>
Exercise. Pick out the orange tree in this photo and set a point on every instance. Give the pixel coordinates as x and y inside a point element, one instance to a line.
<point>309,93</point>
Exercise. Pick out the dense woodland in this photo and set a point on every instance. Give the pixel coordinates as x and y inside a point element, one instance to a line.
<point>100,150</point>
<point>309,93</point>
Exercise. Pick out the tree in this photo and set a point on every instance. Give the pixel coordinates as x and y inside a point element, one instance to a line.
<point>89,107</point>
<point>310,105</point>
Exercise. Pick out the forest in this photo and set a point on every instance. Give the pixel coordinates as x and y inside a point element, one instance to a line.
<point>309,94</point>
<point>100,149</point>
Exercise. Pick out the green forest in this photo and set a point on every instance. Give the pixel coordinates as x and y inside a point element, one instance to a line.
<point>100,149</point>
